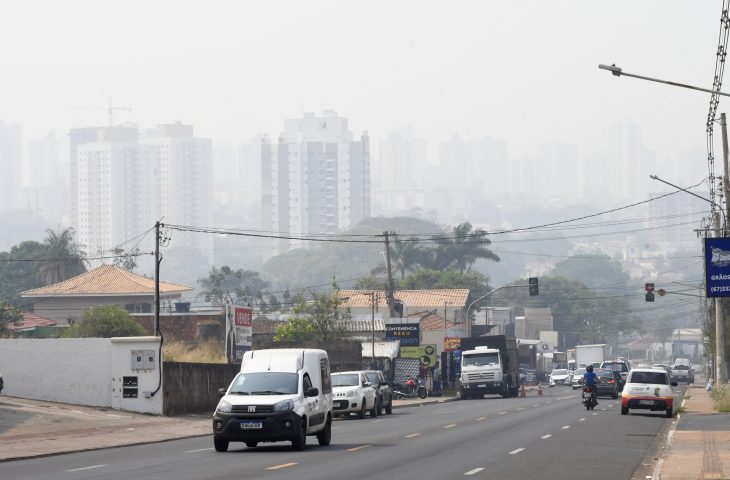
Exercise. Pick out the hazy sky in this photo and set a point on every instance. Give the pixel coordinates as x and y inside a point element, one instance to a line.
<point>525,71</point>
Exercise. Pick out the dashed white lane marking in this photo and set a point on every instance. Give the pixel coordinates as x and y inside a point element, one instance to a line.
<point>472,472</point>
<point>595,413</point>
<point>565,427</point>
<point>610,405</point>
<point>516,451</point>
<point>199,450</point>
<point>548,403</point>
<point>502,413</point>
<point>283,465</point>
<point>521,408</point>
<point>546,436</point>
<point>481,418</point>
<point>582,419</point>
<point>535,405</point>
<point>412,435</point>
<point>85,468</point>
<point>450,425</point>
<point>355,449</point>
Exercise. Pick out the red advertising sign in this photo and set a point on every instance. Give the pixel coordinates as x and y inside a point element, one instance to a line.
<point>242,316</point>
<point>450,343</point>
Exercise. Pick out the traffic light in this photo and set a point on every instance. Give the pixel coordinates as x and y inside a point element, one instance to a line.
<point>649,287</point>
<point>649,296</point>
<point>534,287</point>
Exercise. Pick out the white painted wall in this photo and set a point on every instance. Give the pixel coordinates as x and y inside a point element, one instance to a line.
<point>80,371</point>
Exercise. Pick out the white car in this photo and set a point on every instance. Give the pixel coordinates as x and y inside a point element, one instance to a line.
<point>560,376</point>
<point>353,393</point>
<point>649,389</point>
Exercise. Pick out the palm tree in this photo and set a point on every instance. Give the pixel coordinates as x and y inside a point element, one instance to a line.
<point>405,256</point>
<point>462,248</point>
<point>63,257</point>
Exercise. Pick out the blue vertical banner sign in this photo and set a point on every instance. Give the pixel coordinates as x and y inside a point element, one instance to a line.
<point>717,267</point>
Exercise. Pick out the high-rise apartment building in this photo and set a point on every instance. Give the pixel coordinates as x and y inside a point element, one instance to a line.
<point>47,189</point>
<point>125,180</point>
<point>315,180</point>
<point>11,166</point>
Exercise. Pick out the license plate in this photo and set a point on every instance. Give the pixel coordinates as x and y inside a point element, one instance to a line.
<point>482,385</point>
<point>646,402</point>
<point>251,425</point>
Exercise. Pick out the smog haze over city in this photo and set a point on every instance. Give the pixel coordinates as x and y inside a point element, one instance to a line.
<point>493,113</point>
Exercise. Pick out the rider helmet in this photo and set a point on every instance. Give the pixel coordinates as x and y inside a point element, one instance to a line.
<point>589,368</point>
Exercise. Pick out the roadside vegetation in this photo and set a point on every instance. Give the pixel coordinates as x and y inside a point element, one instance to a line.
<point>209,352</point>
<point>721,397</point>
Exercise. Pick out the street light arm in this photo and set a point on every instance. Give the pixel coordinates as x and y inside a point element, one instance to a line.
<point>617,72</point>
<point>654,177</point>
<point>488,294</point>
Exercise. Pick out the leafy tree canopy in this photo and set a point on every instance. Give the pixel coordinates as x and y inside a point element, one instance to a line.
<point>9,314</point>
<point>238,286</point>
<point>321,318</point>
<point>106,322</point>
<point>592,270</point>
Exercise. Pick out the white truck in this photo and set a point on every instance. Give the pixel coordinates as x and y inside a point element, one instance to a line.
<point>489,365</point>
<point>590,355</point>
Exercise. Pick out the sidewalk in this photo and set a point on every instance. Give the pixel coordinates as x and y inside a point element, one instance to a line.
<point>699,445</point>
<point>34,428</point>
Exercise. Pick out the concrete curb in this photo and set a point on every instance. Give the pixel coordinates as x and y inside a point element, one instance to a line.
<point>657,472</point>
<point>427,402</point>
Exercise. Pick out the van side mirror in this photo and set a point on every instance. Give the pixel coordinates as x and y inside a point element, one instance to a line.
<point>222,392</point>
<point>674,384</point>
<point>367,384</point>
<point>312,392</point>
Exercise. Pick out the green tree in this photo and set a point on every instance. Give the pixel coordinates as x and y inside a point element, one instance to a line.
<point>461,248</point>
<point>592,270</point>
<point>9,314</point>
<point>297,329</point>
<point>128,260</point>
<point>106,322</point>
<point>19,271</point>
<point>238,286</point>
<point>323,315</point>
<point>65,259</point>
<point>405,256</point>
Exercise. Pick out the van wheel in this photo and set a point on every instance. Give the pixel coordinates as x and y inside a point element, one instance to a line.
<point>300,440</point>
<point>624,410</point>
<point>669,413</point>
<point>325,436</point>
<point>361,413</point>
<point>220,445</point>
<point>252,444</point>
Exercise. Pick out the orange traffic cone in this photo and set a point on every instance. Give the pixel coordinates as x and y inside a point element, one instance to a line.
<point>522,391</point>
<point>539,390</point>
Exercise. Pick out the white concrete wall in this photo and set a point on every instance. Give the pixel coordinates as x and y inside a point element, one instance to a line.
<point>80,371</point>
<point>68,370</point>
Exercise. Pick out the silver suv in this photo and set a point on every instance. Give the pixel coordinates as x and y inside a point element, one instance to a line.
<point>682,371</point>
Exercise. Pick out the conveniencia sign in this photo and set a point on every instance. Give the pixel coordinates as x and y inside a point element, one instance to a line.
<point>717,267</point>
<point>408,334</point>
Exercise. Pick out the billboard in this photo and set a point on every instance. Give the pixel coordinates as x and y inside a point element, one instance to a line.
<point>425,353</point>
<point>717,267</point>
<point>408,334</point>
<point>239,331</point>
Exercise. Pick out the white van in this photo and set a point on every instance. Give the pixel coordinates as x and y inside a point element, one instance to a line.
<point>279,395</point>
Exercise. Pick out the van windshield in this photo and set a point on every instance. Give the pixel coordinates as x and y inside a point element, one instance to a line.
<point>477,359</point>
<point>265,383</point>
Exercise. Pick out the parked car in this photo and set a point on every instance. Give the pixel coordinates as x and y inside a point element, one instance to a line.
<point>576,378</point>
<point>560,376</point>
<point>383,392</point>
<point>649,389</point>
<point>683,373</point>
<point>608,382</point>
<point>2,384</point>
<point>353,393</point>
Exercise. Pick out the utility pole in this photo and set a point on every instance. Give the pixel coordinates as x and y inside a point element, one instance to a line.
<point>720,374</point>
<point>373,297</point>
<point>389,293</point>
<point>157,279</point>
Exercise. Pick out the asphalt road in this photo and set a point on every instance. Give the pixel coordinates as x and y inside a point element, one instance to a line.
<point>548,437</point>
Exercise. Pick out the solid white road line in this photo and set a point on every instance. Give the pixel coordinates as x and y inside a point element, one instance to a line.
<point>355,449</point>
<point>85,468</point>
<point>412,435</point>
<point>516,451</point>
<point>283,465</point>
<point>566,427</point>
<point>199,450</point>
<point>472,472</point>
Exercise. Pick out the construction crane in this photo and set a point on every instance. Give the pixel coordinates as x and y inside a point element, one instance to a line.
<point>110,110</point>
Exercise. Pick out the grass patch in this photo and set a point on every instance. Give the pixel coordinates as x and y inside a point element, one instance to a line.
<point>209,352</point>
<point>721,398</point>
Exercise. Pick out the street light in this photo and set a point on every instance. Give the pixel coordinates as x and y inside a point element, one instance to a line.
<point>617,72</point>
<point>654,177</point>
<point>468,318</point>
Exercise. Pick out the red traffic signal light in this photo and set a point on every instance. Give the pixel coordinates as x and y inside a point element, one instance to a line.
<point>649,287</point>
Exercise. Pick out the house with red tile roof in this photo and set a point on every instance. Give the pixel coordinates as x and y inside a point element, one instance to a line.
<point>31,325</point>
<point>65,302</point>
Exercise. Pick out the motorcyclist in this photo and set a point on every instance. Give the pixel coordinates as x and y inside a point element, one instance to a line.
<point>589,380</point>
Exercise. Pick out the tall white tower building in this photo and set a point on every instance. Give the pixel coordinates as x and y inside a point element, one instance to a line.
<point>317,179</point>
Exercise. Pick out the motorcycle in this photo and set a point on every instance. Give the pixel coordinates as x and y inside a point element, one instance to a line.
<point>411,388</point>
<point>589,397</point>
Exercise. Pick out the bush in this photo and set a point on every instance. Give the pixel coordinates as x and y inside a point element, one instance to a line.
<point>721,397</point>
<point>106,322</point>
<point>211,352</point>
